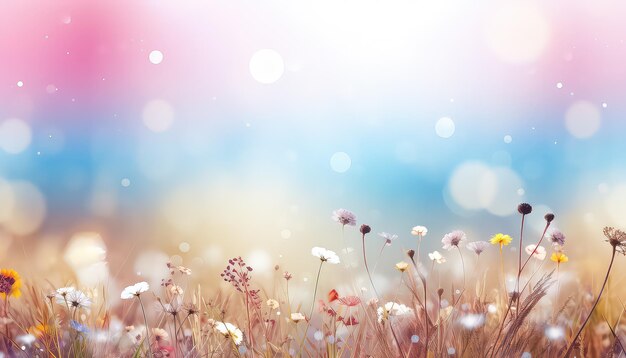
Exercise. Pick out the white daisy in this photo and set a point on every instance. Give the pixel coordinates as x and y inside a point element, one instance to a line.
<point>325,255</point>
<point>134,290</point>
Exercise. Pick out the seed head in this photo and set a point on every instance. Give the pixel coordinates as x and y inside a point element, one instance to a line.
<point>617,239</point>
<point>549,217</point>
<point>524,208</point>
<point>365,229</point>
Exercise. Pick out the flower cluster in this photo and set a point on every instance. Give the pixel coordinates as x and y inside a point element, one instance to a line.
<point>238,274</point>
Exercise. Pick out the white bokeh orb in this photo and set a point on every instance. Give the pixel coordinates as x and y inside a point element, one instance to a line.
<point>28,211</point>
<point>614,204</point>
<point>155,57</point>
<point>15,135</point>
<point>266,66</point>
<point>517,32</point>
<point>445,127</point>
<point>506,196</point>
<point>582,119</point>
<point>472,185</point>
<point>158,115</point>
<point>340,162</point>
<point>260,261</point>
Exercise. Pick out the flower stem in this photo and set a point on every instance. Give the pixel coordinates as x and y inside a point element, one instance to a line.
<point>367,268</point>
<point>380,255</point>
<point>317,280</point>
<point>145,320</point>
<point>463,266</point>
<point>606,278</point>
<point>519,264</point>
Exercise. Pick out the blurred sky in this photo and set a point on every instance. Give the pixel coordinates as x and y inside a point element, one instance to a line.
<point>207,129</point>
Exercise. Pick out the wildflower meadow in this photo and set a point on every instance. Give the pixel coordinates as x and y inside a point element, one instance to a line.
<point>328,178</point>
<point>491,311</point>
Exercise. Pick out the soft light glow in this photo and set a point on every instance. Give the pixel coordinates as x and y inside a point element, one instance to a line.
<point>582,119</point>
<point>158,115</point>
<point>155,57</point>
<point>473,185</point>
<point>15,136</point>
<point>517,32</point>
<point>340,162</point>
<point>445,127</point>
<point>28,211</point>
<point>267,66</point>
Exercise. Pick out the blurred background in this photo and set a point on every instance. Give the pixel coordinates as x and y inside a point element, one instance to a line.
<point>136,133</point>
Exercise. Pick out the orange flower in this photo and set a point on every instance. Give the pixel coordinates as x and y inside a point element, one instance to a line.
<point>333,295</point>
<point>40,330</point>
<point>10,283</point>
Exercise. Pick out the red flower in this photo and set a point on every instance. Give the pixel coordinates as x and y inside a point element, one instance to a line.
<point>333,295</point>
<point>350,301</point>
<point>350,321</point>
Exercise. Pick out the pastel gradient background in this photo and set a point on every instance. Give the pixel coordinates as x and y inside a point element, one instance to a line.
<point>255,120</point>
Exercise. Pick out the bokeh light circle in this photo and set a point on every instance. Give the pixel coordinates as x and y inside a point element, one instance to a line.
<point>28,211</point>
<point>340,162</point>
<point>445,127</point>
<point>158,115</point>
<point>582,119</point>
<point>472,185</point>
<point>15,135</point>
<point>266,66</point>
<point>155,57</point>
<point>506,192</point>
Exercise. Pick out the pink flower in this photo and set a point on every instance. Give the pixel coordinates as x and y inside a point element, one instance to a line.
<point>453,239</point>
<point>350,301</point>
<point>344,217</point>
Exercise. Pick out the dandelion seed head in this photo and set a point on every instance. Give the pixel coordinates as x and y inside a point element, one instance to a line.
<point>617,239</point>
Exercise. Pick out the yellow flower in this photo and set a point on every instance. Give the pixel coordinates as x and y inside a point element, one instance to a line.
<point>40,330</point>
<point>559,257</point>
<point>501,239</point>
<point>402,266</point>
<point>10,283</point>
